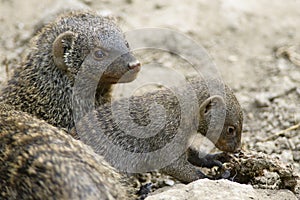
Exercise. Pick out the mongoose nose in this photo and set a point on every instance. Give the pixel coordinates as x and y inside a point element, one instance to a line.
<point>134,64</point>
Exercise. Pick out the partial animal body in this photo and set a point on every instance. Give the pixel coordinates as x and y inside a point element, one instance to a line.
<point>135,137</point>
<point>71,67</point>
<point>39,161</point>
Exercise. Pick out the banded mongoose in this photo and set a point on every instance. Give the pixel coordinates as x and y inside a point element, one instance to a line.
<point>128,140</point>
<point>46,161</point>
<point>64,49</point>
<point>78,48</point>
<point>39,161</point>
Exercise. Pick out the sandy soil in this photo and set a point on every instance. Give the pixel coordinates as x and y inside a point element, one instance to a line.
<point>241,37</point>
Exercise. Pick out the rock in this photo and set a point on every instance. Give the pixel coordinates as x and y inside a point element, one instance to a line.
<point>266,147</point>
<point>220,189</point>
<point>262,100</point>
<point>169,182</point>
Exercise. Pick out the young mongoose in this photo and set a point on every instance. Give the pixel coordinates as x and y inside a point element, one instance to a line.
<point>125,137</point>
<point>39,161</point>
<point>79,47</point>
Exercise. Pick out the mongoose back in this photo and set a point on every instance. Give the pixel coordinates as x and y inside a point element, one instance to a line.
<point>78,48</point>
<point>110,132</point>
<point>39,161</point>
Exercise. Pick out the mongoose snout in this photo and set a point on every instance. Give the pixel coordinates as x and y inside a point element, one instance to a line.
<point>134,65</point>
<point>230,141</point>
<point>123,69</point>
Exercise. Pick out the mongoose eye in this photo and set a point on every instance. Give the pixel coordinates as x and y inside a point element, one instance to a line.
<point>99,54</point>
<point>231,131</point>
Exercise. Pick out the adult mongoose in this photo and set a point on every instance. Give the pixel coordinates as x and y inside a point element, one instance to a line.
<point>39,161</point>
<point>134,138</point>
<point>78,48</point>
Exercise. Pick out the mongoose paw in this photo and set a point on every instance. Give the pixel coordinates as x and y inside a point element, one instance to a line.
<point>208,161</point>
<point>144,191</point>
<point>223,157</point>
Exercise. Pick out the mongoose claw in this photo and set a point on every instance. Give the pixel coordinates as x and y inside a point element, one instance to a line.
<point>224,174</point>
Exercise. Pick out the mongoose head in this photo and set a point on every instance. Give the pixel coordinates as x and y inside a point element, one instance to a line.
<point>96,43</point>
<point>229,139</point>
<point>78,47</point>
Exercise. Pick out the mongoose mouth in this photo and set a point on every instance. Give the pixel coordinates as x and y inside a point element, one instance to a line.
<point>128,76</point>
<point>227,146</point>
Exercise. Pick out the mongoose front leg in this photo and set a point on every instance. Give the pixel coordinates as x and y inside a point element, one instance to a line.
<point>184,171</point>
<point>208,161</point>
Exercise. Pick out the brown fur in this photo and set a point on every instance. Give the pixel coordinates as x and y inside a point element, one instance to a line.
<point>39,161</point>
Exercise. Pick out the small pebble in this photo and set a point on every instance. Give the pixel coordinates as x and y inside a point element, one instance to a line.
<point>261,100</point>
<point>232,58</point>
<point>169,182</point>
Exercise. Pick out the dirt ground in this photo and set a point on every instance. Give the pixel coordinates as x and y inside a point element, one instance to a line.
<point>248,40</point>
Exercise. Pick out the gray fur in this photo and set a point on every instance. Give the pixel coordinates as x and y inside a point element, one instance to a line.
<point>38,160</point>
<point>108,130</point>
<point>44,85</point>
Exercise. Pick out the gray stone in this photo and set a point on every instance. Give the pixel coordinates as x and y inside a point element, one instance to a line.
<point>219,190</point>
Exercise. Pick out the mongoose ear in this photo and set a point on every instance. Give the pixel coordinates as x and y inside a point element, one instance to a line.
<point>212,102</point>
<point>61,45</point>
